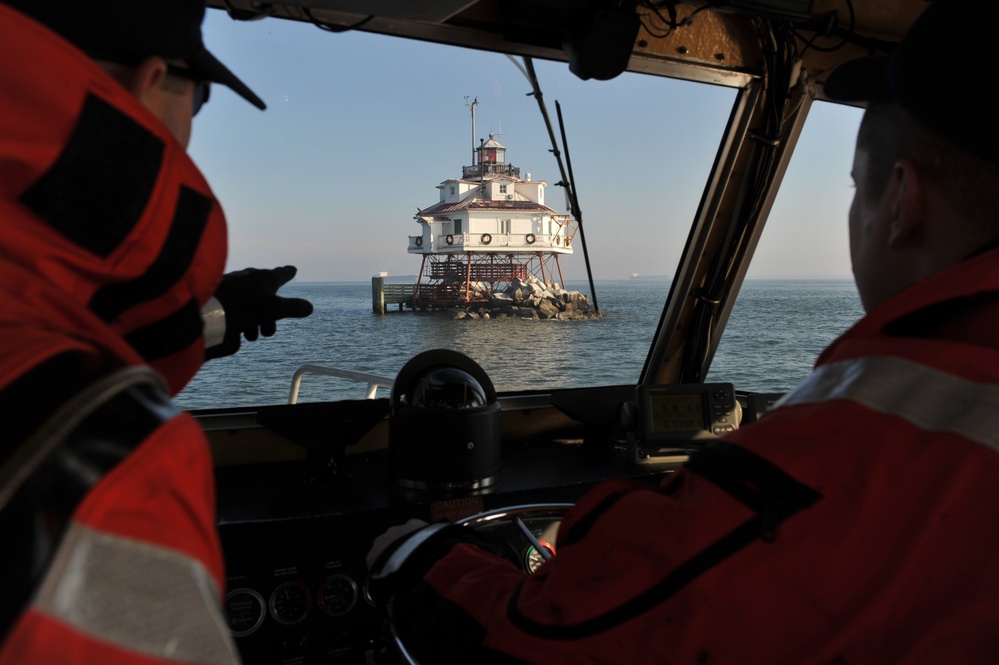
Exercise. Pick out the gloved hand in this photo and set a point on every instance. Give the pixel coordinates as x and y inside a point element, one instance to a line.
<point>402,556</point>
<point>390,536</point>
<point>252,307</point>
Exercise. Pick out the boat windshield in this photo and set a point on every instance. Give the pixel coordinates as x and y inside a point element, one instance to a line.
<point>799,293</point>
<point>362,134</point>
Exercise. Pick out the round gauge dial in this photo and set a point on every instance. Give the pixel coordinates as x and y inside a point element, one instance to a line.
<point>533,558</point>
<point>337,594</point>
<point>244,611</point>
<point>290,603</point>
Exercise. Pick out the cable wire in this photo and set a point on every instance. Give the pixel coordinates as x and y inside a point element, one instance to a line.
<point>331,27</point>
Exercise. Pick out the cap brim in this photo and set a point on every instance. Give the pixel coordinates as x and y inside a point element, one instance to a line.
<point>206,65</point>
<point>860,80</point>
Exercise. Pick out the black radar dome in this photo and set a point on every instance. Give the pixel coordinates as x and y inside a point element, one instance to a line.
<point>444,427</point>
<point>446,388</point>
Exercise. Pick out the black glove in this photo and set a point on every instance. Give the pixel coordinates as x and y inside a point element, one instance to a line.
<point>252,306</point>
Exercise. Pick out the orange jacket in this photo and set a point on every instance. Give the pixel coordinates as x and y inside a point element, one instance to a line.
<point>112,241</point>
<point>855,523</point>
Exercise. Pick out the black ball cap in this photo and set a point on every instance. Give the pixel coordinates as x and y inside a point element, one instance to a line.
<point>130,30</point>
<point>938,73</point>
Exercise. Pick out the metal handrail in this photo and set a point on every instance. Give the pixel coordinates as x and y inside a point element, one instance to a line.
<point>373,380</point>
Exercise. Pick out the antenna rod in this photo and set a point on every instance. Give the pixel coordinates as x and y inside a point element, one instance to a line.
<point>577,213</point>
<point>567,181</point>
<point>473,106</point>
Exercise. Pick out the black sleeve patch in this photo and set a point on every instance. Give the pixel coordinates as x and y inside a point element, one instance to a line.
<point>174,259</point>
<point>96,191</point>
<point>169,335</point>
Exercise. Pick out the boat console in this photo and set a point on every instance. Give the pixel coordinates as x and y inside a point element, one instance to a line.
<point>305,489</point>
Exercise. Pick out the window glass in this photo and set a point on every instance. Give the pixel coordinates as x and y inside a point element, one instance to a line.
<point>300,182</point>
<point>799,293</point>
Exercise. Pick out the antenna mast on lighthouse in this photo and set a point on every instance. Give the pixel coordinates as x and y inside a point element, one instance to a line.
<point>473,105</point>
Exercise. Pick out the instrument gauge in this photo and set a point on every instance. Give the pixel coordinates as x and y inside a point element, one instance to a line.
<point>244,611</point>
<point>337,595</point>
<point>289,603</point>
<point>533,558</point>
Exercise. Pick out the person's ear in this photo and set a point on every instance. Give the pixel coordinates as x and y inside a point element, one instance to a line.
<point>144,79</point>
<point>905,203</point>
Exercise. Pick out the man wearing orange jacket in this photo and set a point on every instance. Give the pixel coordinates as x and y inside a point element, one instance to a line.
<point>854,523</point>
<point>112,247</point>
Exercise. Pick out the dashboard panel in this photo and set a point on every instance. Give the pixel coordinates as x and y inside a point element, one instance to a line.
<point>295,547</point>
<point>296,527</point>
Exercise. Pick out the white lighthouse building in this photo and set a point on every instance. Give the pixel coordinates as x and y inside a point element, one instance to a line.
<point>489,227</point>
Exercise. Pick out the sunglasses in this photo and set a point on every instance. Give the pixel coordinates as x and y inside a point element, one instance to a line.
<point>202,87</point>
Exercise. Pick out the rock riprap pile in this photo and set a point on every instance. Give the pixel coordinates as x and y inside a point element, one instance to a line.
<point>525,298</point>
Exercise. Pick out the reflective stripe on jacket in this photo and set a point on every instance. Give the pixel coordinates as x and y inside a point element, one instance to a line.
<point>137,574</point>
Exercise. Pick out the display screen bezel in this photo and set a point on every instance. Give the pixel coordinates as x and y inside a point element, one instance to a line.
<point>687,423</point>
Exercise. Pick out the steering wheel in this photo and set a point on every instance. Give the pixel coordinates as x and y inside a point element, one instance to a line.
<point>542,517</point>
<point>515,526</point>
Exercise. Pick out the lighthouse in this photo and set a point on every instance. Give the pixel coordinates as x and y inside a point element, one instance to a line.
<point>488,228</point>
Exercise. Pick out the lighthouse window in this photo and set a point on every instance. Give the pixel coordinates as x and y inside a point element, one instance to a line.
<point>502,189</point>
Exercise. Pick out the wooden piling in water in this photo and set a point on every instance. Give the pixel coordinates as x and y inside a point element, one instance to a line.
<point>378,294</point>
<point>383,295</point>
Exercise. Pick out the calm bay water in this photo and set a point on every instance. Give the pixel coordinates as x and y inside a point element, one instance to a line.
<point>775,333</point>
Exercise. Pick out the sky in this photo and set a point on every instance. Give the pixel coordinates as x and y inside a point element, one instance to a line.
<point>360,129</point>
